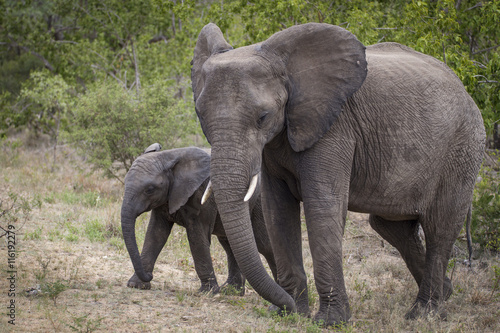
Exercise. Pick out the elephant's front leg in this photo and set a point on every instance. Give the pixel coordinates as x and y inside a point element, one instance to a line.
<point>282,215</point>
<point>325,219</point>
<point>156,236</point>
<point>199,242</point>
<point>325,193</point>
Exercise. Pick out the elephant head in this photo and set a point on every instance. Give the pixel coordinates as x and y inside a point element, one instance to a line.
<point>159,179</point>
<point>291,86</point>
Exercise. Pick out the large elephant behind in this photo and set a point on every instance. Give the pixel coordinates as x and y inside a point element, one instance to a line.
<point>326,121</point>
<point>171,184</point>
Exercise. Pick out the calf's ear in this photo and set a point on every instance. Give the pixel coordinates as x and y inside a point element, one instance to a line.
<point>190,170</point>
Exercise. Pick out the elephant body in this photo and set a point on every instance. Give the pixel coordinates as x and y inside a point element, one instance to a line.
<point>171,184</point>
<point>321,120</point>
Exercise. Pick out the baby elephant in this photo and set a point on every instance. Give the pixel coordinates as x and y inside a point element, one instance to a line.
<point>171,184</point>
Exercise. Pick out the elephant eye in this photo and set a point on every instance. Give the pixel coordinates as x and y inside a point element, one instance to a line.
<point>149,190</point>
<point>261,119</point>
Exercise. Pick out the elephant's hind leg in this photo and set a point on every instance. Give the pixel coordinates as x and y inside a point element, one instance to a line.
<point>441,231</point>
<point>403,235</point>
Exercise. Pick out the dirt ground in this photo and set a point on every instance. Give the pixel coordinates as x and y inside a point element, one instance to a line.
<point>72,268</point>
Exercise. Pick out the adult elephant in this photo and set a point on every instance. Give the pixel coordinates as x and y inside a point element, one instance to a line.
<point>321,119</point>
<point>171,184</point>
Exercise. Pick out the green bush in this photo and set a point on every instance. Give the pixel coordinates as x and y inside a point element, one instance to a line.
<point>486,211</point>
<point>112,125</point>
<point>42,105</point>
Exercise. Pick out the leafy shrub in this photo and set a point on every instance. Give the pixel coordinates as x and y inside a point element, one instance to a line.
<point>15,210</point>
<point>42,105</point>
<point>112,126</point>
<point>486,211</point>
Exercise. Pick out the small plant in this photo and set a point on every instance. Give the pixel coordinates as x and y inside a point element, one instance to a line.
<point>486,211</point>
<point>288,319</point>
<point>40,275</point>
<point>53,289</point>
<point>84,324</point>
<point>496,279</point>
<point>96,297</point>
<point>230,290</point>
<point>54,235</point>
<point>69,197</point>
<point>101,283</point>
<point>34,235</point>
<point>16,209</point>
<point>312,294</point>
<point>362,289</point>
<point>180,295</point>
<point>91,199</point>
<point>262,311</point>
<point>73,232</point>
<point>239,302</point>
<point>95,231</point>
<point>72,238</point>
<point>117,243</point>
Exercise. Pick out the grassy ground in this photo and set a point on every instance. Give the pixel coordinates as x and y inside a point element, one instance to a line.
<point>71,255</point>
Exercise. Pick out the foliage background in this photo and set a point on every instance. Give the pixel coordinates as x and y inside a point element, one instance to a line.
<point>101,80</point>
<point>111,77</point>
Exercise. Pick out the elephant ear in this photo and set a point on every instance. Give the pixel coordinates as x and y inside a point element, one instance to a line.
<point>325,65</point>
<point>191,169</point>
<point>210,41</point>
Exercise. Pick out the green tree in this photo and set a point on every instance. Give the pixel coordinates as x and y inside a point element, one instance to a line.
<point>112,125</point>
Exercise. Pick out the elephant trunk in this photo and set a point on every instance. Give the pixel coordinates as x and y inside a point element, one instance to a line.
<point>128,218</point>
<point>230,184</point>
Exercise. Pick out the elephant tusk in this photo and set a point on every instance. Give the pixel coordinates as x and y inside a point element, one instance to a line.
<point>251,188</point>
<point>207,193</point>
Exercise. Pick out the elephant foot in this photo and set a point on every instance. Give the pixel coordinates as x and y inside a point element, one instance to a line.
<point>332,317</point>
<point>209,287</point>
<point>135,282</point>
<point>421,309</point>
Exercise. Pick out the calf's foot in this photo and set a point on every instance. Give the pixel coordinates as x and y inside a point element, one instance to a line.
<point>135,282</point>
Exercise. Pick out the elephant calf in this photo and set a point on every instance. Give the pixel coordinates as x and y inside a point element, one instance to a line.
<point>171,184</point>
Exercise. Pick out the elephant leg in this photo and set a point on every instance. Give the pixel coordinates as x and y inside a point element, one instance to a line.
<point>325,220</point>
<point>403,235</point>
<point>440,235</point>
<point>262,239</point>
<point>156,236</point>
<point>282,212</point>
<point>199,238</point>
<point>234,277</point>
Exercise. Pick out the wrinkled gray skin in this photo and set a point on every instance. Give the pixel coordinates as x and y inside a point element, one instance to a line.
<point>382,130</point>
<point>171,183</point>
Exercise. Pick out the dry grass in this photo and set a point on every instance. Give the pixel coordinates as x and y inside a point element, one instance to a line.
<point>72,248</point>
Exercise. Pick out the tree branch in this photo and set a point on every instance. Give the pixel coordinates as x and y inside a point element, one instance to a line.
<point>47,64</point>
<point>136,67</point>
<point>479,4</point>
<point>486,50</point>
<point>157,39</point>
<point>110,74</point>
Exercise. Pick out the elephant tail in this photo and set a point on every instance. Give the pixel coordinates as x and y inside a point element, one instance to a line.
<point>468,235</point>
